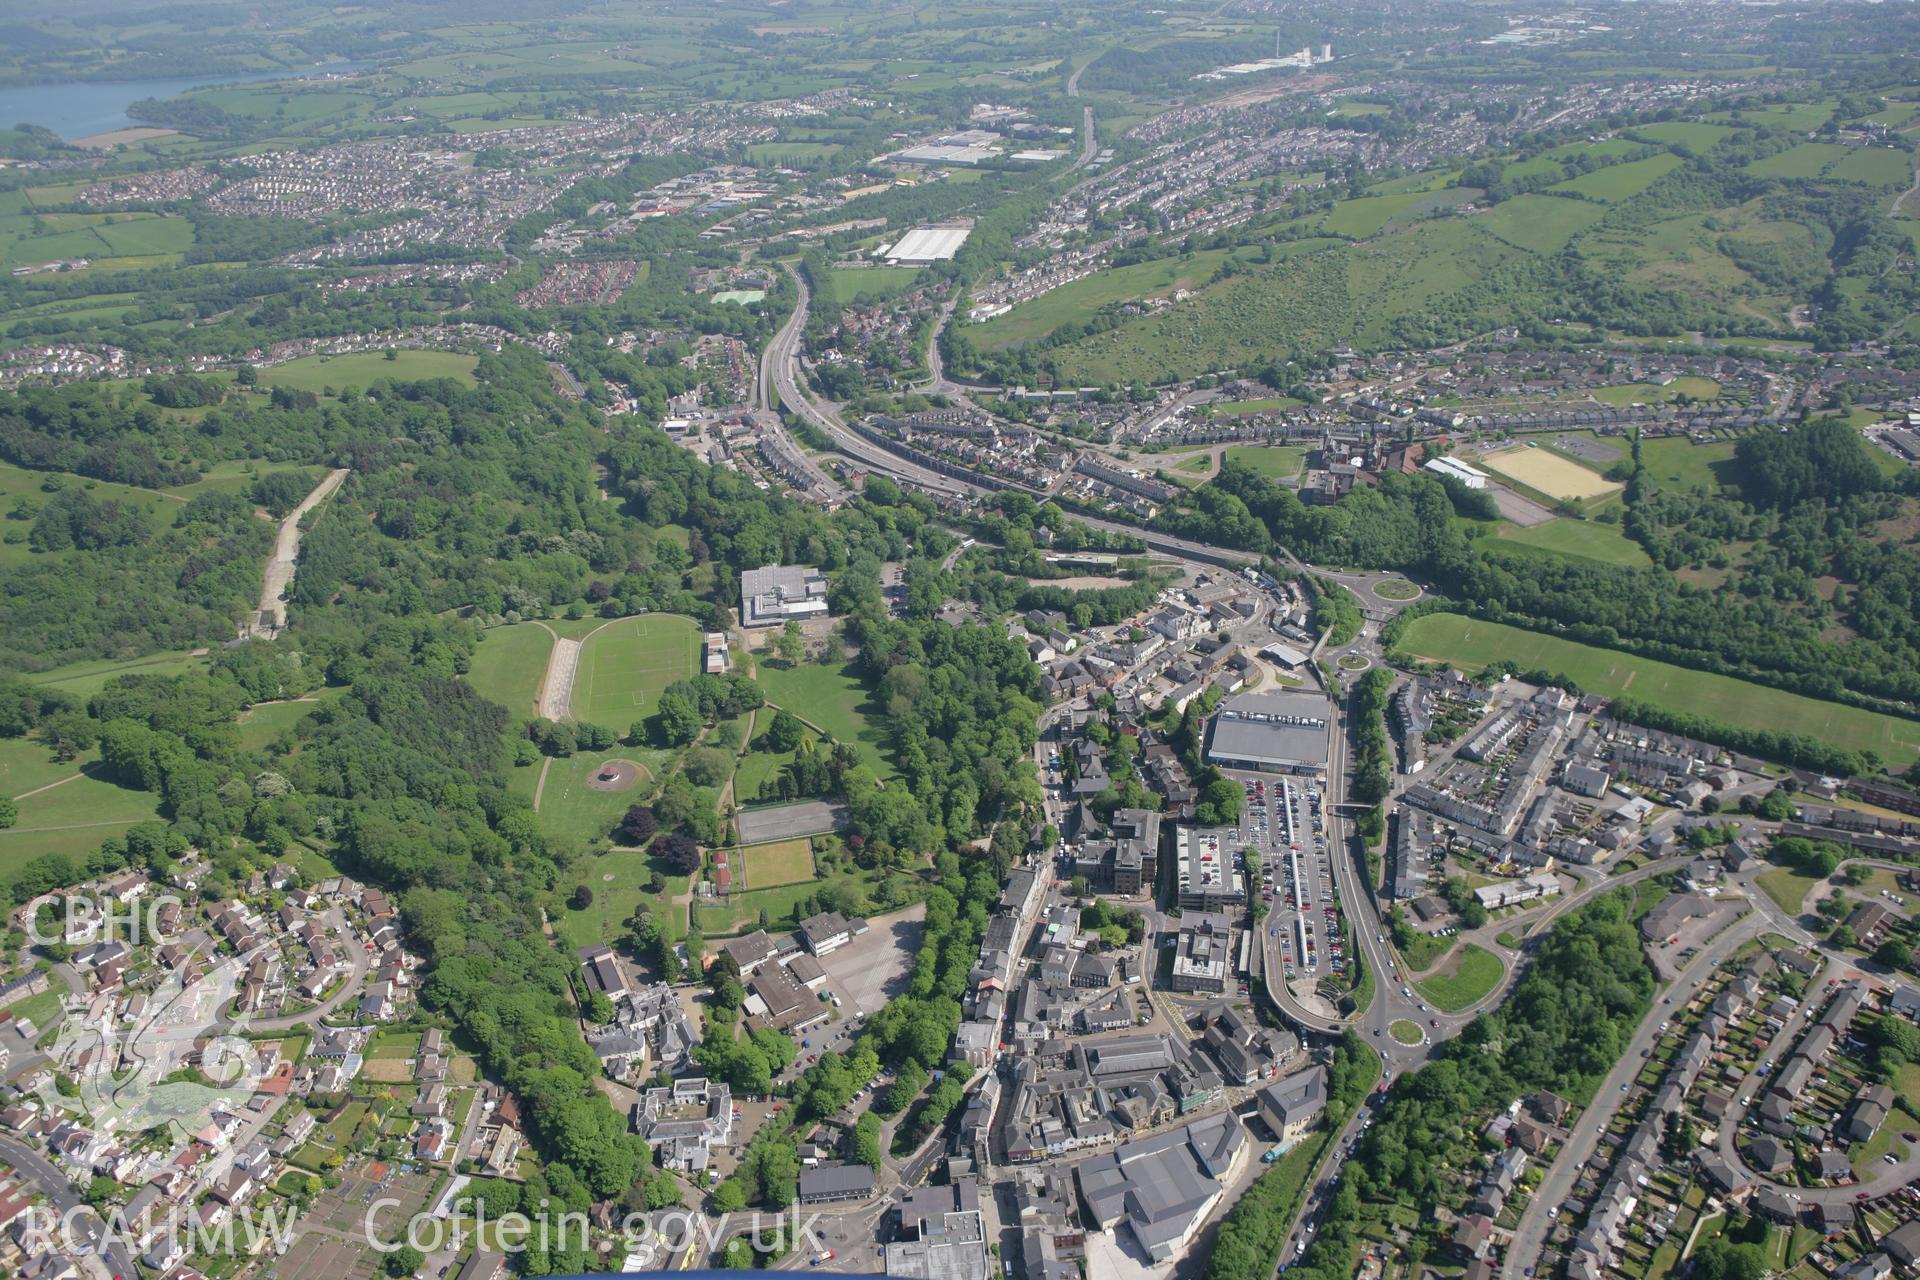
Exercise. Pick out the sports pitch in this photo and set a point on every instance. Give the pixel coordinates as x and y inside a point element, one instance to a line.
<point>625,665</point>
<point>1561,479</point>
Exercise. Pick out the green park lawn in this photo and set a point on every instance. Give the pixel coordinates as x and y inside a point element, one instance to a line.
<point>844,284</point>
<point>1277,462</point>
<point>573,812</point>
<point>363,368</point>
<point>834,698</point>
<point>72,818</point>
<point>1466,979</point>
<point>27,765</point>
<point>618,880</point>
<point>1676,463</point>
<point>626,664</point>
<point>1787,887</point>
<point>1567,536</point>
<point>261,724</point>
<point>1471,644</point>
<point>509,665</point>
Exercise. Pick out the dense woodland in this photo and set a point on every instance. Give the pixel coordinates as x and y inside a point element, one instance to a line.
<point>470,505</point>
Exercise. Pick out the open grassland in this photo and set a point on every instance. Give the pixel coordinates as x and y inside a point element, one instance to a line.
<point>82,680</point>
<point>27,238</point>
<point>1470,644</point>
<point>1359,293</point>
<point>755,770</point>
<point>571,812</point>
<point>1876,166</point>
<point>1631,393</point>
<point>363,368</point>
<point>1686,133</point>
<point>72,818</point>
<point>1465,981</point>
<point>1280,462</point>
<point>781,862</point>
<point>1075,302</point>
<point>1568,536</point>
<point>618,880</point>
<point>509,665</point>
<point>741,912</point>
<point>27,764</point>
<point>834,698</point>
<point>1678,463</point>
<point>1621,181</point>
<point>1543,224</point>
<point>36,488</point>
<point>260,725</point>
<point>844,284</point>
<point>1808,160</point>
<point>625,665</point>
<point>1553,474</point>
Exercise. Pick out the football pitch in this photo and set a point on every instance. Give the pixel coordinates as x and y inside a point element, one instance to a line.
<point>625,665</point>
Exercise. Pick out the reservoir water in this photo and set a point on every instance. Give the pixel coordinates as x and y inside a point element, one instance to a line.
<point>80,109</point>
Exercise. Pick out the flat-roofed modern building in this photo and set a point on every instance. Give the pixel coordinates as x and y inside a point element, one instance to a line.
<point>1272,733</point>
<point>780,593</point>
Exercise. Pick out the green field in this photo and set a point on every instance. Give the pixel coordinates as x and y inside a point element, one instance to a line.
<point>572,812</point>
<point>1465,981</point>
<point>260,725</point>
<point>1699,137</point>
<point>755,770</point>
<point>1370,215</point>
<point>844,284</point>
<point>1280,462</point>
<point>72,818</point>
<point>1076,301</point>
<point>1878,166</point>
<point>1544,224</point>
<point>1246,408</point>
<point>18,485</point>
<point>84,679</point>
<point>835,699</point>
<point>1808,160</point>
<point>1678,463</point>
<point>1621,181</point>
<point>509,665</point>
<point>625,665</point>
<point>742,912</point>
<point>1630,393</point>
<point>1471,644</point>
<point>618,880</point>
<point>363,368</point>
<point>1567,536</point>
<point>27,765</point>
<point>791,153</point>
<point>777,863</point>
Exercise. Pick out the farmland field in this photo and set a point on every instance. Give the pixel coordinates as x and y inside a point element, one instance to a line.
<point>1560,478</point>
<point>1880,166</point>
<point>509,665</point>
<point>361,368</point>
<point>1076,301</point>
<point>1808,160</point>
<point>1471,644</point>
<point>625,665</point>
<point>1621,181</point>
<point>1544,224</point>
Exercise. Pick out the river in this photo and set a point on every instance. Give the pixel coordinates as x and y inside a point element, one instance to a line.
<point>80,109</point>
